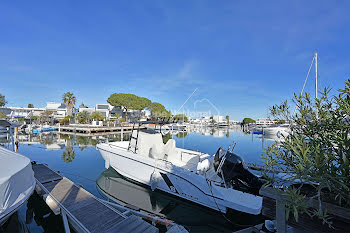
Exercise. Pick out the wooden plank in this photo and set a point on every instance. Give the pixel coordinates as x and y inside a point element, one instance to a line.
<point>253,229</point>
<point>138,225</point>
<point>281,221</point>
<point>141,227</point>
<point>151,229</point>
<point>94,214</point>
<point>67,193</point>
<point>43,174</point>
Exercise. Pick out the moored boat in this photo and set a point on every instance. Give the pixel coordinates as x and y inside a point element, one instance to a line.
<point>17,182</point>
<point>279,131</point>
<point>44,128</point>
<point>220,182</point>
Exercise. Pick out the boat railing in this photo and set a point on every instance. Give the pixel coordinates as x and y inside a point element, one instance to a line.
<point>191,153</point>
<point>112,145</point>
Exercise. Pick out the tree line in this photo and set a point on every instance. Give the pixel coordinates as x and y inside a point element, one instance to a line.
<point>124,101</point>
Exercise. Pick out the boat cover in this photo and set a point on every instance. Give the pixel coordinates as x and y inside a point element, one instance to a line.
<point>16,180</point>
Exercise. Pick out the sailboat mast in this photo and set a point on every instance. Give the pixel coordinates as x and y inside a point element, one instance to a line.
<point>316,74</point>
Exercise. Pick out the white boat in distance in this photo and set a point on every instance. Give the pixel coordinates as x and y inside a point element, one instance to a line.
<point>220,182</point>
<point>17,182</point>
<point>178,126</point>
<point>279,131</point>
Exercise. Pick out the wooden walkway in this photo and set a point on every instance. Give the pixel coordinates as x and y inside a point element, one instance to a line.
<point>84,211</point>
<point>93,130</point>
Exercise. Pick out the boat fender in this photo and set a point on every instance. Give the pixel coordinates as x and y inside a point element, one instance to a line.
<point>155,178</point>
<point>107,164</point>
<point>39,190</point>
<point>52,204</point>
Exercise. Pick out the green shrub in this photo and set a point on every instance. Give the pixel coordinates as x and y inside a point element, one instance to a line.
<point>316,153</point>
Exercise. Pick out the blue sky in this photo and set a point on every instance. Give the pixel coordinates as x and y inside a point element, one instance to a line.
<point>243,56</point>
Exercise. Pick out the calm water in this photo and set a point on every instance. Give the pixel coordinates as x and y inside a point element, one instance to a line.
<point>76,158</point>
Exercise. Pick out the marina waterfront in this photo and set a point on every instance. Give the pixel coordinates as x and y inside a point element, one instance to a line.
<point>76,158</point>
<point>174,116</point>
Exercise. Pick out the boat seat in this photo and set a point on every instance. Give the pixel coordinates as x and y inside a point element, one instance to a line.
<point>179,157</point>
<point>146,141</point>
<point>171,153</point>
<point>156,151</point>
<point>203,166</point>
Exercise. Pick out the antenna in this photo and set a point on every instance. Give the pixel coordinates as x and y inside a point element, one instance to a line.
<point>187,99</point>
<point>308,72</point>
<point>316,74</point>
<point>184,104</point>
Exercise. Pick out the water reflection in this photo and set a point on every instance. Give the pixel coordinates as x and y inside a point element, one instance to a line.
<point>69,154</point>
<point>194,217</point>
<point>181,134</point>
<point>214,131</point>
<point>39,214</point>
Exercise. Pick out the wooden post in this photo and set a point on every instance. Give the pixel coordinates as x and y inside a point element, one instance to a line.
<point>12,138</point>
<point>281,216</point>
<point>280,198</point>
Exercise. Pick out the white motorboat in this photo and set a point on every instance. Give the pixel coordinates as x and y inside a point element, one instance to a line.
<point>279,131</point>
<point>177,126</point>
<point>17,182</point>
<point>157,127</point>
<point>220,182</point>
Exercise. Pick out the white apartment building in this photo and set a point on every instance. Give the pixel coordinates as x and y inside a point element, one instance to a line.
<point>203,120</point>
<point>104,109</point>
<point>233,122</point>
<point>219,118</point>
<point>110,112</point>
<point>59,111</point>
<point>15,112</point>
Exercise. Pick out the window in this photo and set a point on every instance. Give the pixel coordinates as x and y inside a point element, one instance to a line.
<point>102,106</point>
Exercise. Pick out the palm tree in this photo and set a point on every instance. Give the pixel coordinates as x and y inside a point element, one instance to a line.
<point>69,154</point>
<point>69,99</point>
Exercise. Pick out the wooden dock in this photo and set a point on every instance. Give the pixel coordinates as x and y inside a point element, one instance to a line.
<point>274,207</point>
<point>95,130</point>
<point>82,210</point>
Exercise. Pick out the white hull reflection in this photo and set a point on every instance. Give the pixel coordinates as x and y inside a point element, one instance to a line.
<point>194,217</point>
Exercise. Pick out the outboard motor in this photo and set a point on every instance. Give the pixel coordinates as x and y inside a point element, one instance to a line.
<point>234,173</point>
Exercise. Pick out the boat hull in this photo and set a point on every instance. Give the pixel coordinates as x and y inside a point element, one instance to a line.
<point>7,214</point>
<point>277,131</point>
<point>40,130</point>
<point>177,181</point>
<point>17,182</point>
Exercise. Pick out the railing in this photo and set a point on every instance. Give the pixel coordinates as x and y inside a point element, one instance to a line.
<point>185,152</point>
<point>112,145</point>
